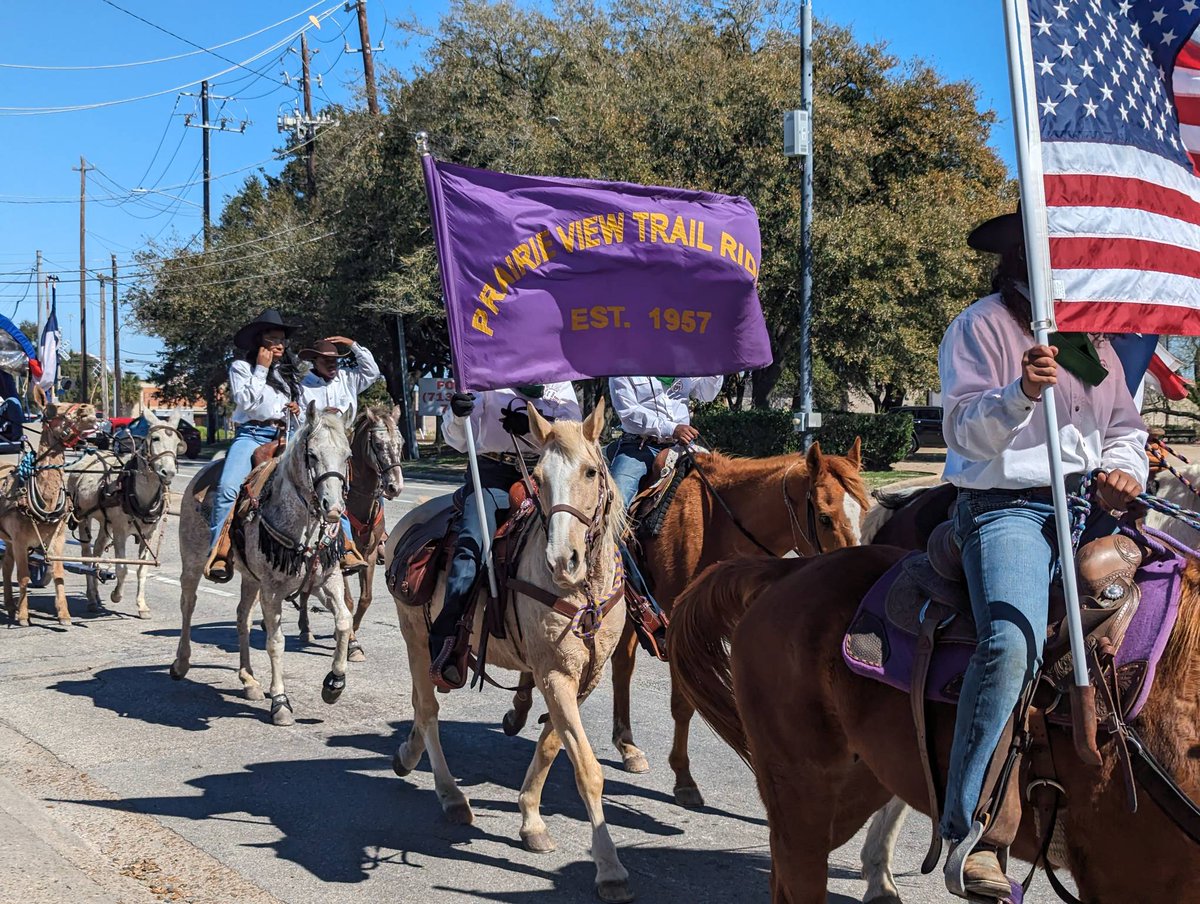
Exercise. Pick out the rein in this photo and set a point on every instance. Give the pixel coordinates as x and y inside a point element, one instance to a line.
<point>812,515</point>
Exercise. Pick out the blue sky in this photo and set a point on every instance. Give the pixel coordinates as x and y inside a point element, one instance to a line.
<point>144,143</point>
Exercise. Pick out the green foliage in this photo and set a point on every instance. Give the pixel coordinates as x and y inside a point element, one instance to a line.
<point>758,433</point>
<point>886,438</point>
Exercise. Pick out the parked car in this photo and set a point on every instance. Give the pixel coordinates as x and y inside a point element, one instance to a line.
<point>927,425</point>
<point>191,436</point>
<point>124,429</point>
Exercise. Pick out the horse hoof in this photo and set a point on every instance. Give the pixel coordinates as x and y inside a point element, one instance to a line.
<point>281,710</point>
<point>65,622</point>
<point>512,724</point>
<point>176,673</point>
<point>614,891</point>
<point>93,607</point>
<point>398,766</point>
<point>332,687</point>
<point>143,613</point>
<point>253,692</point>
<point>539,843</point>
<point>636,763</point>
<point>459,814</point>
<point>308,637</point>
<point>23,622</point>
<point>689,798</point>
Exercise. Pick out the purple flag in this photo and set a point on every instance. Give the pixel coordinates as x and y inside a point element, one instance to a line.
<point>551,279</point>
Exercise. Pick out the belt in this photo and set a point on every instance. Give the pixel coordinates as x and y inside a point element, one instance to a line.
<point>1073,483</point>
<point>271,423</point>
<point>509,458</point>
<point>648,440</point>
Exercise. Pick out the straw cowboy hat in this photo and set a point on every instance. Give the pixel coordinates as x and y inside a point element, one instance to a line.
<point>322,348</point>
<point>999,234</point>
<point>247,337</point>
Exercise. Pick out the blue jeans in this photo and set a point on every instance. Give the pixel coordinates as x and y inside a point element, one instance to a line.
<point>496,479</point>
<point>237,466</point>
<point>629,460</point>
<point>1009,550</point>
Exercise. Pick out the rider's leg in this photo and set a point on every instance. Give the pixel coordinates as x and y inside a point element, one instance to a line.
<point>352,560</point>
<point>1008,552</point>
<point>630,462</point>
<point>237,466</point>
<point>464,567</point>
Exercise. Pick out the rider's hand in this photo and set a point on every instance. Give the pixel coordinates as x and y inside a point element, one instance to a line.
<point>266,357</point>
<point>686,434</point>
<point>462,403</point>
<point>339,340</point>
<point>293,408</point>
<point>1038,370</point>
<point>1117,490</point>
<point>515,422</point>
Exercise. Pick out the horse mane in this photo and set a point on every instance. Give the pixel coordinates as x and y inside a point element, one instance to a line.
<point>568,436</point>
<point>1181,660</point>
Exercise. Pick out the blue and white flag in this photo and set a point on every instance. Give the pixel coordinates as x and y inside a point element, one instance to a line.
<point>48,351</point>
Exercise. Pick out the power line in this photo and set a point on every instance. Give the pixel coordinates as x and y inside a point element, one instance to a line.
<point>166,59</point>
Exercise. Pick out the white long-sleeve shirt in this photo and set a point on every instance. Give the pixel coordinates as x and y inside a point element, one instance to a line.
<point>558,401</point>
<point>648,408</point>
<point>254,399</point>
<point>996,436</point>
<point>342,391</point>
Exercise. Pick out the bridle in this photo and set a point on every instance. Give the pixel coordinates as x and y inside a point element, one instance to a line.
<point>142,444</point>
<point>383,454</point>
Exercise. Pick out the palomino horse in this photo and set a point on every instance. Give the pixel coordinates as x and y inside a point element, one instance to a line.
<point>376,450</point>
<point>572,552</point>
<point>828,747</point>
<point>34,507</point>
<point>805,502</point>
<point>293,541</point>
<point>125,499</point>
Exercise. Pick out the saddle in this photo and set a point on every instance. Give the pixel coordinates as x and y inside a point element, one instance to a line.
<point>658,488</point>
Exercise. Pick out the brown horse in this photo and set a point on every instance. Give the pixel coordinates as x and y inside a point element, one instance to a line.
<point>779,501</point>
<point>829,748</point>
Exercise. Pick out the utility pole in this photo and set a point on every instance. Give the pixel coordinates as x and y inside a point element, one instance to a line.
<point>103,351</point>
<point>206,126</point>
<point>310,162</point>
<point>116,343</point>
<point>408,427</point>
<point>39,297</point>
<point>367,50</point>
<point>83,355</point>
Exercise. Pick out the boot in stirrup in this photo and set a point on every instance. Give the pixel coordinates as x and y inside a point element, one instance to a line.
<point>352,561</point>
<point>219,567</point>
<point>973,870</point>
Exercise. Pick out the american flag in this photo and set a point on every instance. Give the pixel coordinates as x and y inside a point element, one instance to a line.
<point>1118,91</point>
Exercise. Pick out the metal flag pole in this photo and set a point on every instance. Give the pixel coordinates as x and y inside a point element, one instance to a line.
<point>472,455</point>
<point>1037,253</point>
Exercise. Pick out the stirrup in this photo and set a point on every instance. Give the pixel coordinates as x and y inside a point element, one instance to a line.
<point>958,859</point>
<point>444,656</point>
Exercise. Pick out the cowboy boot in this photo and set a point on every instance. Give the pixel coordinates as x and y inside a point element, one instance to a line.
<point>982,876</point>
<point>219,567</point>
<point>352,561</point>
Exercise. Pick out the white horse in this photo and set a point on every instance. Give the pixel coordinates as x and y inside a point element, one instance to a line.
<point>571,550</point>
<point>292,540</point>
<point>125,498</point>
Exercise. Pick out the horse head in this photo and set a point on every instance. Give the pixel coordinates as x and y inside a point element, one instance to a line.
<point>575,491</point>
<point>828,498</point>
<point>64,424</point>
<point>316,460</point>
<point>377,440</point>
<point>163,446</point>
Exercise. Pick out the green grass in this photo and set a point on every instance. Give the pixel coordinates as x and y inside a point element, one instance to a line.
<point>877,479</point>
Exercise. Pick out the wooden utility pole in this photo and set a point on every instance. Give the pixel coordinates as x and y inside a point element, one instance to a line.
<point>204,146</point>
<point>116,344</point>
<point>83,355</point>
<point>103,351</point>
<point>310,131</point>
<point>39,298</point>
<point>364,35</point>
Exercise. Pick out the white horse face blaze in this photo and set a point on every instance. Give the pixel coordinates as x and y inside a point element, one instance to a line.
<point>565,481</point>
<point>854,516</point>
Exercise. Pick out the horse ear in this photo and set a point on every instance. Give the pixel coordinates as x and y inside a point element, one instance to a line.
<point>176,417</point>
<point>397,414</point>
<point>594,425</point>
<point>855,453</point>
<point>311,413</point>
<point>813,459</point>
<point>50,411</point>
<point>151,417</point>
<point>539,427</point>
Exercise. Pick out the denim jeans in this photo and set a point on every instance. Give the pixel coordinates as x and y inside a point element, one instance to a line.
<point>629,460</point>
<point>1009,550</point>
<point>496,478</point>
<point>238,465</point>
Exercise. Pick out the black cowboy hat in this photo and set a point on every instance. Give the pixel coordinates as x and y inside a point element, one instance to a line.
<point>999,234</point>
<point>322,348</point>
<point>247,337</point>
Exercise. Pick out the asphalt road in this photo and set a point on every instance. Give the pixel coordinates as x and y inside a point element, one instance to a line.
<point>118,784</point>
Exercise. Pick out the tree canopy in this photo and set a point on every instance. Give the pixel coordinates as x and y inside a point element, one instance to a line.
<point>684,94</point>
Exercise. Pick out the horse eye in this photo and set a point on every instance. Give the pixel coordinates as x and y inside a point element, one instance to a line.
<point>826,521</point>
<point>591,473</point>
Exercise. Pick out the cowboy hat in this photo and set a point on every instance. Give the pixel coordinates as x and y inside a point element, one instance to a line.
<point>999,234</point>
<point>247,337</point>
<point>322,348</point>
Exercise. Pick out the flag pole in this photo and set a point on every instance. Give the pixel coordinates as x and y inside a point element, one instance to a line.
<point>1037,253</point>
<point>472,455</point>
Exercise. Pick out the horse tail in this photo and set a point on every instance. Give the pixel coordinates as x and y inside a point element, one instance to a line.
<point>703,620</point>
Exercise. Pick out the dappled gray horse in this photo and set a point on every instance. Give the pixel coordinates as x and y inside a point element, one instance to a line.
<point>291,540</point>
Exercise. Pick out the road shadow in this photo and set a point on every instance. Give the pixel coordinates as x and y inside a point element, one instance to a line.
<point>223,635</point>
<point>148,694</point>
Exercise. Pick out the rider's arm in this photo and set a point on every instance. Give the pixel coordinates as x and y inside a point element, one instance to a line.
<point>454,428</point>
<point>566,404</point>
<point>248,389</point>
<point>635,416</point>
<point>703,389</point>
<point>1125,434</point>
<point>365,370</point>
<point>983,410</point>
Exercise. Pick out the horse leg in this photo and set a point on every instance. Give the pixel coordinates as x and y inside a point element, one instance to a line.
<point>335,602</point>
<point>20,552</point>
<point>514,719</point>
<point>306,634</point>
<point>10,601</point>
<point>57,541</point>
<point>118,538</point>
<point>189,580</point>
<point>622,677</point>
<point>281,706</point>
<point>88,549</point>
<point>365,581</point>
<point>533,828</point>
<point>250,686</point>
<point>424,734</point>
<point>877,853</point>
<point>687,794</point>
<point>612,881</point>
<point>143,548</point>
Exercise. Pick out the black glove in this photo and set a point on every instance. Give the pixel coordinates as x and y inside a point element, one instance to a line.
<point>462,403</point>
<point>515,422</point>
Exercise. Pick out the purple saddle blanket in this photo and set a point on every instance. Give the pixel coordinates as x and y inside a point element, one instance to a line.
<point>881,641</point>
